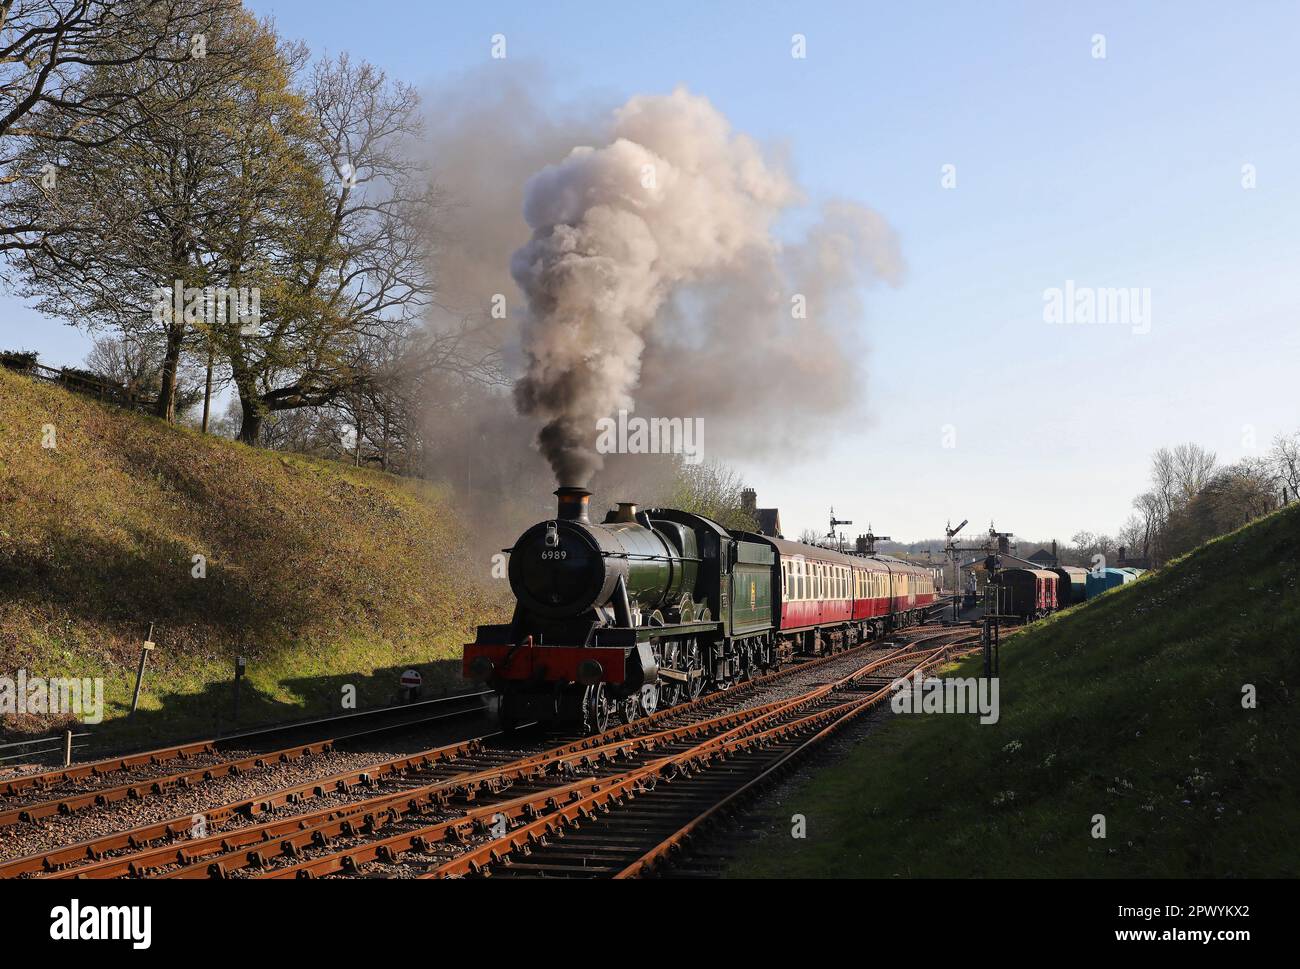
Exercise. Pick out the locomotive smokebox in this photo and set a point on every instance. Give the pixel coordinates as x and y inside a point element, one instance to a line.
<point>572,504</point>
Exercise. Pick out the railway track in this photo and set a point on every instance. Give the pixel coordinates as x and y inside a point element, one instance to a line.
<point>26,799</point>
<point>328,825</point>
<point>631,824</point>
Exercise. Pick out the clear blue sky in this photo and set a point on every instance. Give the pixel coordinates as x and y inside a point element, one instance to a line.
<point>1122,172</point>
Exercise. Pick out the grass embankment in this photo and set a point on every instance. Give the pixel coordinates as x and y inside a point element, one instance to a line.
<point>1130,706</point>
<point>319,573</point>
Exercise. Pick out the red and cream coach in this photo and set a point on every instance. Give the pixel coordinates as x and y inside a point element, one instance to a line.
<point>828,600</point>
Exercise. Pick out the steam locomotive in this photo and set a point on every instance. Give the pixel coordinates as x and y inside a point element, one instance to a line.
<point>649,608</point>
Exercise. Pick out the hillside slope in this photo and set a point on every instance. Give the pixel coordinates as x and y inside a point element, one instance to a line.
<point>319,573</point>
<point>1130,706</point>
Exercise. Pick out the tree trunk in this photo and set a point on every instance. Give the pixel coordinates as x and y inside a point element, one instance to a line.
<point>207,389</point>
<point>166,407</point>
<point>250,428</point>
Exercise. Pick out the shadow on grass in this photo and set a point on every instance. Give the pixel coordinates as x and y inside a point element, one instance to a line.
<point>210,713</point>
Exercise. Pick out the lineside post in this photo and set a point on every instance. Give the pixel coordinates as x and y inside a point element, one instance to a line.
<point>239,677</point>
<point>145,647</point>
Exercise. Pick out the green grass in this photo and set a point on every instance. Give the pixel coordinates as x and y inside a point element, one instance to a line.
<point>1129,706</point>
<point>320,573</point>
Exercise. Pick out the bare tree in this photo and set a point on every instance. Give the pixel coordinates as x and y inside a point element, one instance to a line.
<point>134,363</point>
<point>1150,512</point>
<point>1132,536</point>
<point>1233,497</point>
<point>1284,458</point>
<point>1193,469</point>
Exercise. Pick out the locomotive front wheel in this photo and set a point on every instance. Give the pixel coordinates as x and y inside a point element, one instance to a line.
<point>507,719</point>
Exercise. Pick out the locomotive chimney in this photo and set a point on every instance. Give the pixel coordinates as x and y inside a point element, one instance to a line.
<point>572,504</point>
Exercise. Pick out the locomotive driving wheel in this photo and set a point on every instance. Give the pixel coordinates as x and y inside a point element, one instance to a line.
<point>670,691</point>
<point>597,709</point>
<point>694,662</point>
<point>629,708</point>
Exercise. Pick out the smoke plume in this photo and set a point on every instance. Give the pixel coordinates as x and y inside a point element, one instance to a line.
<point>670,290</point>
<point>676,208</point>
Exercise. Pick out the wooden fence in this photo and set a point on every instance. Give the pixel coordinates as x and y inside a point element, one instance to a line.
<point>79,381</point>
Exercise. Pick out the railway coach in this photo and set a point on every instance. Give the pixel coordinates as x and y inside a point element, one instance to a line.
<point>1103,580</point>
<point>648,608</point>
<point>1071,585</point>
<point>1027,593</point>
<point>830,600</point>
